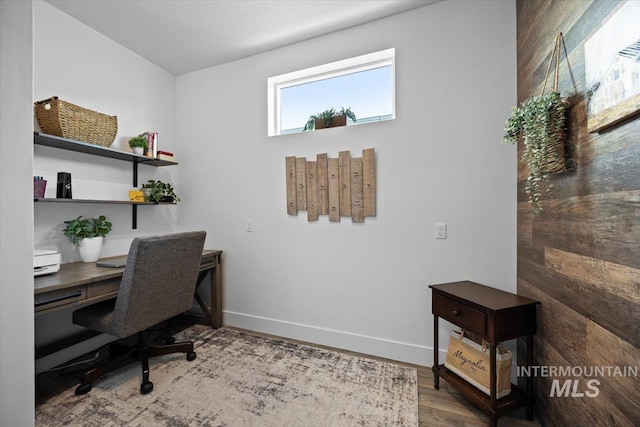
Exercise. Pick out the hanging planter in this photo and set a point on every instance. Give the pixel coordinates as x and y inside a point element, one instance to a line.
<point>541,122</point>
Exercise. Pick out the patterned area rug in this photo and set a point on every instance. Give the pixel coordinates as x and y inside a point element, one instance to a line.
<point>241,379</point>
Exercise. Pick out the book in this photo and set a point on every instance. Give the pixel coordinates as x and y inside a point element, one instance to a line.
<point>154,151</point>
<point>152,143</point>
<point>168,153</point>
<point>166,157</point>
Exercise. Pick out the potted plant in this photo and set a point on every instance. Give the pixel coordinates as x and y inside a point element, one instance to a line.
<point>87,234</point>
<point>540,120</point>
<point>329,118</point>
<point>158,191</point>
<point>139,145</point>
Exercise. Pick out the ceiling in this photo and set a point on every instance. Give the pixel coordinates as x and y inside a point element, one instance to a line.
<point>182,36</point>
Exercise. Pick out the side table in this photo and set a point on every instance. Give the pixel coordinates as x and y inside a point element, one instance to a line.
<point>495,316</point>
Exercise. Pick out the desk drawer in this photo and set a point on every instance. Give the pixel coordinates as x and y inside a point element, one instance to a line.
<point>208,261</point>
<point>53,299</point>
<point>102,288</point>
<point>460,315</point>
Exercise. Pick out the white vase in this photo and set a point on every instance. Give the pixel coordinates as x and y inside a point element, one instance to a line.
<point>138,150</point>
<point>90,248</point>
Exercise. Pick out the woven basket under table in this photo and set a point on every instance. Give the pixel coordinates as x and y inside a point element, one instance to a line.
<point>61,118</point>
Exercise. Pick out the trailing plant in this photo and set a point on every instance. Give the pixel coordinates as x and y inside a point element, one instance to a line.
<point>79,228</point>
<point>540,120</point>
<point>138,141</point>
<point>327,116</point>
<point>159,189</point>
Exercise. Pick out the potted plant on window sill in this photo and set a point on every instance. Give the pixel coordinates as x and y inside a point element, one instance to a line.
<point>158,191</point>
<point>88,234</point>
<point>329,118</point>
<point>138,145</point>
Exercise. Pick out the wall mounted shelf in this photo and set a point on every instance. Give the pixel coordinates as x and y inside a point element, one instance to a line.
<point>104,202</point>
<point>97,150</point>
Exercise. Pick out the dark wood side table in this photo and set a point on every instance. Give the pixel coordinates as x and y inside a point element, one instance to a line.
<point>496,316</point>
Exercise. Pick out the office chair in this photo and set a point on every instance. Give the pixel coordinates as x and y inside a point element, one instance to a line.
<point>158,283</point>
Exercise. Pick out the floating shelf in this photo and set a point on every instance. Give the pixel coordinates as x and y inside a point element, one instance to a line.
<point>104,202</point>
<point>97,150</point>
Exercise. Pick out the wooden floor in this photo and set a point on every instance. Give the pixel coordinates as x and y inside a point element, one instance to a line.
<point>447,407</point>
<point>437,408</point>
<point>440,408</point>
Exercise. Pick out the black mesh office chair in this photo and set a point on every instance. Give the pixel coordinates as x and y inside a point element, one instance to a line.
<point>158,283</point>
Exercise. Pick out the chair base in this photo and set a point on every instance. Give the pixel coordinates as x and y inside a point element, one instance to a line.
<point>120,355</point>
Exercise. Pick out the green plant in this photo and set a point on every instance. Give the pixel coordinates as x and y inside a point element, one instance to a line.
<point>138,141</point>
<point>540,120</point>
<point>78,228</point>
<point>326,116</point>
<point>158,189</point>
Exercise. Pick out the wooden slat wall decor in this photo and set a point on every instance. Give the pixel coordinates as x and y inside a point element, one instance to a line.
<point>357,213</point>
<point>344,166</point>
<point>369,181</point>
<point>342,186</point>
<point>323,184</point>
<point>292,205</point>
<point>581,256</point>
<point>312,191</point>
<point>334,190</point>
<point>301,184</point>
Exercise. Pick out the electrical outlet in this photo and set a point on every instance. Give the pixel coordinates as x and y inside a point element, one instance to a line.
<point>441,230</point>
<point>249,225</point>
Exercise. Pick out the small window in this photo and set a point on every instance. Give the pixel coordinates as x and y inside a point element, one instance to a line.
<point>364,84</point>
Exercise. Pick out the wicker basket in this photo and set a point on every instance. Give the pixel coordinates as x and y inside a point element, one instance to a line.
<point>60,118</point>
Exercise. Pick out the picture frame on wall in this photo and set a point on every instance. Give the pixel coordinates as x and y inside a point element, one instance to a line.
<point>612,69</point>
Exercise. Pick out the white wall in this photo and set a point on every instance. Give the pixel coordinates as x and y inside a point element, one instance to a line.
<point>79,65</point>
<point>16,215</point>
<point>362,286</point>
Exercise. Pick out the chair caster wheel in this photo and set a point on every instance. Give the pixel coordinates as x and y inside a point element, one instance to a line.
<point>83,389</point>
<point>146,387</point>
<point>191,356</point>
<point>169,340</point>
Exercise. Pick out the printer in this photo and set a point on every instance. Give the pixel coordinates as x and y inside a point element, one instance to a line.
<point>45,261</point>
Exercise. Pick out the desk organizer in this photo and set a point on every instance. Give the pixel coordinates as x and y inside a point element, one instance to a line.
<point>39,188</point>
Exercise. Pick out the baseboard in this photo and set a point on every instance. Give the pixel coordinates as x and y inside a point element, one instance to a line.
<point>380,347</point>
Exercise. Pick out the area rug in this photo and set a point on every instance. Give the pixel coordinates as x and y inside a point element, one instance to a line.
<point>244,379</point>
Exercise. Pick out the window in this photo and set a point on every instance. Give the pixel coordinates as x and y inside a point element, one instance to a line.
<point>365,84</point>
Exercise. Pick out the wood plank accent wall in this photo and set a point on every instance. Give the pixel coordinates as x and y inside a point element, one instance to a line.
<point>581,256</point>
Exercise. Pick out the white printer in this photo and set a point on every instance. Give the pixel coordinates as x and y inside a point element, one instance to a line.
<point>45,261</point>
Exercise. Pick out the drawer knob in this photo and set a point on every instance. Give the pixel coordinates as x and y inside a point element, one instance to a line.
<point>456,313</point>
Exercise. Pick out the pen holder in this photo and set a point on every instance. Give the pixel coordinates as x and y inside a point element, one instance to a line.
<point>39,188</point>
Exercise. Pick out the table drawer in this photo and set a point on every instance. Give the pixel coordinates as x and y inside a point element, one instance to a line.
<point>208,261</point>
<point>459,314</point>
<point>104,287</point>
<point>53,299</point>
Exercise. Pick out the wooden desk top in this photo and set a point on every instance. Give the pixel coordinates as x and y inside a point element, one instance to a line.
<point>82,273</point>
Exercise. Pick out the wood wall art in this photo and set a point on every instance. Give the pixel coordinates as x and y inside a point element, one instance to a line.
<point>343,186</point>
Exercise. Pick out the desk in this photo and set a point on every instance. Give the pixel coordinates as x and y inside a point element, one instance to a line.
<point>496,316</point>
<point>78,284</point>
